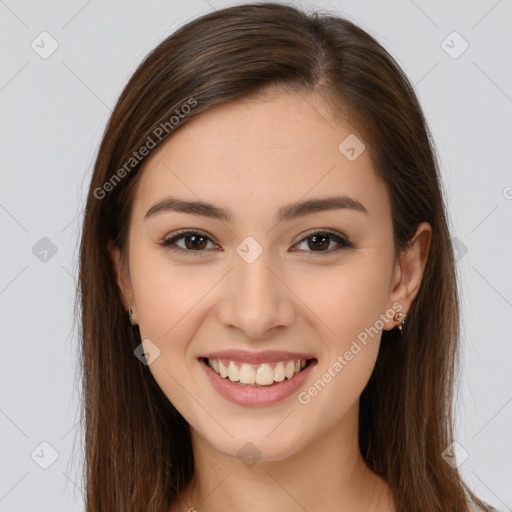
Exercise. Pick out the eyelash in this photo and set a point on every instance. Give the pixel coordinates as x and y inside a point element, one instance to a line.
<point>169,242</point>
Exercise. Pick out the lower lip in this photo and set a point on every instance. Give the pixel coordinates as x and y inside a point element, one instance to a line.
<point>257,397</point>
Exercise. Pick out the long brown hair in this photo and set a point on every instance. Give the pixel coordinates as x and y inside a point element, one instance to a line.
<point>138,453</point>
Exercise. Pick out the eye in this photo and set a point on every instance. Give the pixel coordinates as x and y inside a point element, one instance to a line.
<point>320,241</point>
<point>194,241</point>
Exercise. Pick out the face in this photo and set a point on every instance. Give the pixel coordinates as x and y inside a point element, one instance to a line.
<point>266,275</point>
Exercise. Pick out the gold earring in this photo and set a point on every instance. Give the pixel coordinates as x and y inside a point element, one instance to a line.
<point>401,318</point>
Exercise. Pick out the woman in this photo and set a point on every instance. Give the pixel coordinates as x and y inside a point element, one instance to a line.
<point>269,302</point>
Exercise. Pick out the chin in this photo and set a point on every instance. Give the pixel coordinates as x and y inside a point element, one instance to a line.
<point>252,443</point>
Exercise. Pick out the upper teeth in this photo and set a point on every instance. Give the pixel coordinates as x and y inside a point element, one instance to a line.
<point>262,374</point>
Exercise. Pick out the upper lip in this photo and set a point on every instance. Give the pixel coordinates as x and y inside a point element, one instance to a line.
<point>267,356</point>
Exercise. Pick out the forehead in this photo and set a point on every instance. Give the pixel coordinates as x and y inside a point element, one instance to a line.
<point>263,151</point>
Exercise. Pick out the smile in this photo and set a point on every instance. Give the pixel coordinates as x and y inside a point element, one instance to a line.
<point>264,374</point>
<point>257,385</point>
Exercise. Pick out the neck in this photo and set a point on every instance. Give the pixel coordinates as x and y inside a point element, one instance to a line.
<point>328,474</point>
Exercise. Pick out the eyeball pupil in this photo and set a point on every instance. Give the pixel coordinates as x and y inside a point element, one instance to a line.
<point>196,241</point>
<point>319,241</point>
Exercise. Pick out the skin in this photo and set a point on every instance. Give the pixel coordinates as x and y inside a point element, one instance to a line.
<point>252,157</point>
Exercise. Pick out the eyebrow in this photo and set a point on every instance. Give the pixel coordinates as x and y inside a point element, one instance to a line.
<point>287,212</point>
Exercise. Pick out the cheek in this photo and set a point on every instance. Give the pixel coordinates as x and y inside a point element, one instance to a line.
<point>350,304</point>
<point>167,298</point>
<point>166,293</point>
<point>346,299</point>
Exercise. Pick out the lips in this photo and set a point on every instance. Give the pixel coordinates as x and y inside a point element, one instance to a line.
<point>260,396</point>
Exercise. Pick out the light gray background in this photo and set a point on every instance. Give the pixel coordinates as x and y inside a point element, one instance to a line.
<point>53,113</point>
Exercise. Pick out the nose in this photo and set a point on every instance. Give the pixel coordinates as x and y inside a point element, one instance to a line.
<point>255,298</point>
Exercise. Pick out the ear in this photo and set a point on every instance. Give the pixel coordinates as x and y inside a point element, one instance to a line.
<point>409,269</point>
<point>122,276</point>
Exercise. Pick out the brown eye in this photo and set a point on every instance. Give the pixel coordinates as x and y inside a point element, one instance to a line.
<point>195,242</point>
<point>320,242</point>
<point>192,242</point>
